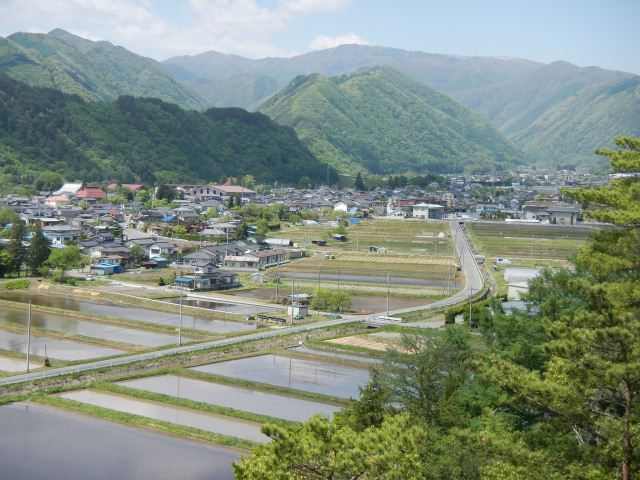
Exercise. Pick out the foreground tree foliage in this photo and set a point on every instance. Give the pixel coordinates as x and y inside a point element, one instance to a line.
<point>553,394</point>
<point>590,385</point>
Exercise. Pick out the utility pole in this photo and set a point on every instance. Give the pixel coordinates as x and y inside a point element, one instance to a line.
<point>293,296</point>
<point>180,326</point>
<point>470,295</point>
<point>29,338</point>
<point>388,293</point>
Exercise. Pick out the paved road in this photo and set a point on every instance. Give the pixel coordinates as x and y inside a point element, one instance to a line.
<point>125,360</point>
<point>474,280</point>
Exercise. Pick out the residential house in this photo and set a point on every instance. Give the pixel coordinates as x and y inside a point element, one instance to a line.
<point>256,260</point>
<point>61,235</point>
<point>162,249</point>
<point>206,276</point>
<point>69,189</point>
<point>225,191</point>
<point>556,214</point>
<point>91,194</point>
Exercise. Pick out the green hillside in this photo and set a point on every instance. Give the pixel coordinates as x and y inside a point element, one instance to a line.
<point>562,113</point>
<point>97,71</point>
<point>381,121</point>
<point>529,102</point>
<point>140,139</point>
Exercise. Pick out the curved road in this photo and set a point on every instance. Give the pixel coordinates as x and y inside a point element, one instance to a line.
<point>474,281</point>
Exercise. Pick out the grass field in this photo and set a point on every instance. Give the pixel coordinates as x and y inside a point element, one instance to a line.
<point>415,250</point>
<point>525,243</point>
<point>363,264</point>
<point>398,237</point>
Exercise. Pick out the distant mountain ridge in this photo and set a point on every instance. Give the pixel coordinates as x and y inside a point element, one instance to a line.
<point>556,113</point>
<point>381,121</point>
<point>530,102</point>
<point>96,71</point>
<point>141,139</point>
<point>212,74</point>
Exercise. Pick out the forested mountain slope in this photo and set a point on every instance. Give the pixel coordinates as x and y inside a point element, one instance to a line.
<point>97,71</point>
<point>141,139</point>
<point>381,121</point>
<point>556,113</point>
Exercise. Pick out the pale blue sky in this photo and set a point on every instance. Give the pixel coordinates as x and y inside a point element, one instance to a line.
<point>584,32</point>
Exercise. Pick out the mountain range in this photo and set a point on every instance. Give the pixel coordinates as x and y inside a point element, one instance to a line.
<point>379,120</point>
<point>141,139</point>
<point>557,114</point>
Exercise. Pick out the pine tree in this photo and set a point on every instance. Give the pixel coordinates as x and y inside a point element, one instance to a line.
<point>39,251</point>
<point>590,385</point>
<point>359,183</point>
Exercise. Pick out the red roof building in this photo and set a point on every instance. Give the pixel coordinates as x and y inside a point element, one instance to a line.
<point>91,193</point>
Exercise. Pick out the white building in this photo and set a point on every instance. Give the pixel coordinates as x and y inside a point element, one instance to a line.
<point>428,210</point>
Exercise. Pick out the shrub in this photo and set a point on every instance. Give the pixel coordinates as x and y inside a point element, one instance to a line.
<point>20,284</point>
<point>331,300</point>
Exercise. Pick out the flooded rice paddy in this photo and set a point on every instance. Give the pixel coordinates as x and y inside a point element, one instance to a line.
<point>138,314</point>
<point>260,403</point>
<point>12,364</point>
<point>236,308</point>
<point>167,413</point>
<point>86,328</point>
<point>47,444</point>
<point>54,347</point>
<point>307,375</point>
<point>337,355</point>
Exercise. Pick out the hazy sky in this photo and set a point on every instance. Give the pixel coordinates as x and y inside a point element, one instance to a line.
<point>585,32</point>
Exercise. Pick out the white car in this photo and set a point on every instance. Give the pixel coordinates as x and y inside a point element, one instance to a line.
<point>503,261</point>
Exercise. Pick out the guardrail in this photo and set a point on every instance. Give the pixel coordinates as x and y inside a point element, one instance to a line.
<point>142,357</point>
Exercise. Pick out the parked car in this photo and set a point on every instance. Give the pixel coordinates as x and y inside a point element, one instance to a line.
<point>503,261</point>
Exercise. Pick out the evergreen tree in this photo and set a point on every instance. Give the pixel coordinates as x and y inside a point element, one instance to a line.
<point>15,250</point>
<point>589,388</point>
<point>4,263</point>
<point>359,183</point>
<point>242,231</point>
<point>39,251</point>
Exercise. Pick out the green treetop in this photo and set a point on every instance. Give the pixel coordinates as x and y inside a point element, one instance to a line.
<point>618,202</point>
<point>39,250</point>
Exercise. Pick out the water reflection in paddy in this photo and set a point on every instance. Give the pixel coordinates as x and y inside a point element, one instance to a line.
<point>86,328</point>
<point>47,444</point>
<point>128,313</point>
<point>233,397</point>
<point>167,413</point>
<point>54,347</point>
<point>11,364</point>
<point>237,308</point>
<point>309,375</point>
